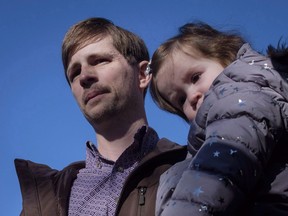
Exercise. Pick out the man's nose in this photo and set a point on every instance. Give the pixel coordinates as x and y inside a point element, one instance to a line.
<point>88,77</point>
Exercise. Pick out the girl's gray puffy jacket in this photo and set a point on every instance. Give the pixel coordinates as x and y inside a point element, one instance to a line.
<point>239,144</point>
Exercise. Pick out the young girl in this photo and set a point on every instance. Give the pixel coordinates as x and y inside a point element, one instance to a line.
<point>237,104</point>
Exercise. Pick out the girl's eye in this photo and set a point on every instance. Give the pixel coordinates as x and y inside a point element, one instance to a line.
<point>195,77</point>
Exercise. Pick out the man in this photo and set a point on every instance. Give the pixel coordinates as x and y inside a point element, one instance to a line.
<point>106,68</point>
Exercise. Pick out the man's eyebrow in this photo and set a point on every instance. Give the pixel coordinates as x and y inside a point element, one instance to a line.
<point>94,55</point>
<point>103,54</point>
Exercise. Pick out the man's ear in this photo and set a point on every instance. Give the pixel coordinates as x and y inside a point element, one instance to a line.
<point>144,77</point>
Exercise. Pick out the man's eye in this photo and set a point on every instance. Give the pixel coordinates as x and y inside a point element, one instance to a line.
<point>73,74</point>
<point>195,77</point>
<point>99,61</point>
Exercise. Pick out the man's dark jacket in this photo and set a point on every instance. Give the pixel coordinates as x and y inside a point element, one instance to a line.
<point>46,191</point>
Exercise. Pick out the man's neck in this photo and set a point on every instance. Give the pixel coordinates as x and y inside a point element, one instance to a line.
<point>114,141</point>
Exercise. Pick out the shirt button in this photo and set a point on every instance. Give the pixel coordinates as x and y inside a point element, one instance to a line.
<point>120,169</point>
<point>98,165</point>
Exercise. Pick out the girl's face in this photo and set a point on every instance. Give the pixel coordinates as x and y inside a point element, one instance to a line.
<point>183,81</point>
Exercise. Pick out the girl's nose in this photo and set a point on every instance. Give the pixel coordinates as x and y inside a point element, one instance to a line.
<point>192,104</point>
<point>193,99</point>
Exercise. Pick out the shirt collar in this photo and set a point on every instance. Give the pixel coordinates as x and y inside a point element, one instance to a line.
<point>145,140</point>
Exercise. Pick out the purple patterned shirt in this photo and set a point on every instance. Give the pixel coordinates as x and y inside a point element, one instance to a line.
<point>98,186</point>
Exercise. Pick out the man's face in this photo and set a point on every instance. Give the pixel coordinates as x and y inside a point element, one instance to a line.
<point>103,83</point>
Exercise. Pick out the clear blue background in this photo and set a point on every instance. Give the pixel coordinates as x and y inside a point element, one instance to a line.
<point>39,119</point>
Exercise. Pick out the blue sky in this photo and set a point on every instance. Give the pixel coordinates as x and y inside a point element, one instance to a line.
<point>39,118</point>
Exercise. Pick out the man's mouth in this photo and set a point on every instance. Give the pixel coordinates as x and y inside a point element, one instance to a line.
<point>90,94</point>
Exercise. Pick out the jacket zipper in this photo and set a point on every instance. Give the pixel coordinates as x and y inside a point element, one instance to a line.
<point>142,191</point>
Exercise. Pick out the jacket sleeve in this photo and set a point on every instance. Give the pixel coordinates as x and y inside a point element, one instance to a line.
<point>45,191</point>
<point>36,188</point>
<point>241,132</point>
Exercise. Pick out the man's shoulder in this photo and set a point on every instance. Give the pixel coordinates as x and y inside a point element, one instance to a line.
<point>167,150</point>
<point>40,183</point>
<point>165,144</point>
<point>23,167</point>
